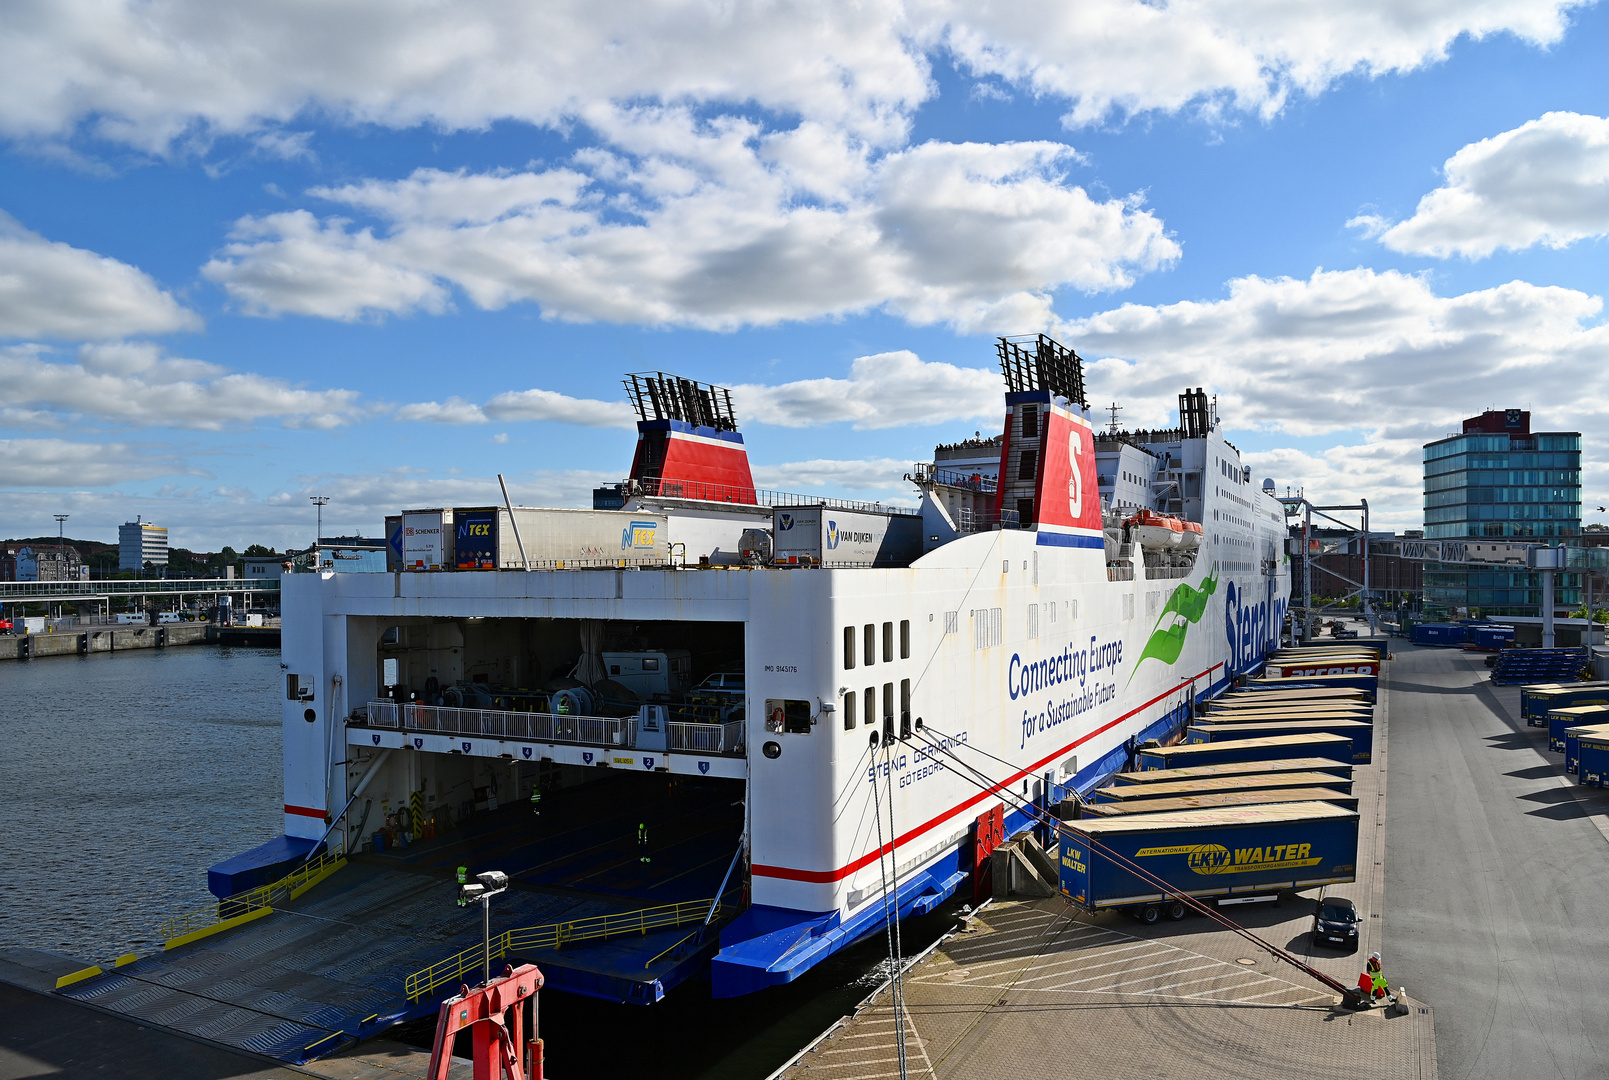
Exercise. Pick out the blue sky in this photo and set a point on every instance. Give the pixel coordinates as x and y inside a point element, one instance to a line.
<point>382,252</point>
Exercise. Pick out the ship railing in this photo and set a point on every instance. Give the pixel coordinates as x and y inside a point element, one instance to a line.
<point>652,487</point>
<point>724,738</point>
<point>708,738</point>
<point>968,520</point>
<point>246,906</point>
<point>498,723</point>
<point>527,939</point>
<point>958,478</point>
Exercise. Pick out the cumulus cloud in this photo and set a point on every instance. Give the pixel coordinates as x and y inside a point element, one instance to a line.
<point>53,290</point>
<point>885,390</point>
<point>156,74</point>
<point>1544,182</point>
<point>877,476</point>
<point>36,463</point>
<point>702,224</point>
<point>1376,360</point>
<point>139,384</point>
<point>542,405</point>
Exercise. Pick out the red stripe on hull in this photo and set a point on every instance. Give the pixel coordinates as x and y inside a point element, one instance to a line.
<point>822,877</point>
<point>304,811</point>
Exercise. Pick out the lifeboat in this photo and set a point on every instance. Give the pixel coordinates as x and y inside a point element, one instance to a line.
<point>1162,532</point>
<point>1189,535</point>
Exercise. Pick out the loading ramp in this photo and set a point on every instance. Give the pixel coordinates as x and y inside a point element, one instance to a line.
<point>330,967</point>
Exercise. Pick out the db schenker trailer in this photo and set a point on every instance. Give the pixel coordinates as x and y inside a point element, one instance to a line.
<point>1233,854</point>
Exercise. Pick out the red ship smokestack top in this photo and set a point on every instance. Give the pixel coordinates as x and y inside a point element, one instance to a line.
<point>688,445</point>
<point>1047,460</point>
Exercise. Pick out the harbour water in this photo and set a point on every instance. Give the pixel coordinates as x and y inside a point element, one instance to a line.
<point>129,774</point>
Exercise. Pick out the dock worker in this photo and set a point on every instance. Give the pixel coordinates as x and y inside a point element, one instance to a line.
<point>642,842</point>
<point>1378,986</point>
<point>536,799</point>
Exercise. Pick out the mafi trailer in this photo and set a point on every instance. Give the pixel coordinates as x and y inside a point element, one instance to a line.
<point>1236,854</point>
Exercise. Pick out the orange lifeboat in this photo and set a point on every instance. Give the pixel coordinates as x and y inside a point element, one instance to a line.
<point>1163,532</point>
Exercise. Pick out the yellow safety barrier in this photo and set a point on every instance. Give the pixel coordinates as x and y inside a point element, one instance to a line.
<point>553,935</point>
<point>246,906</point>
<point>79,976</point>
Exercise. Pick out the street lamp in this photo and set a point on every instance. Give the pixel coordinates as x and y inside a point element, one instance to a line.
<point>319,501</point>
<point>61,543</point>
<point>480,891</point>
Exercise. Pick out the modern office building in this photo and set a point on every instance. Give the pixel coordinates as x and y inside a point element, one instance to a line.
<point>140,542</point>
<point>1499,480</point>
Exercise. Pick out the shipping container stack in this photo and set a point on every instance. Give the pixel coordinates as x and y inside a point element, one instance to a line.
<point>1524,666</point>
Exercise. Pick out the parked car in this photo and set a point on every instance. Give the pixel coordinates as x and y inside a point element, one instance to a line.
<point>725,682</point>
<point>5,626</point>
<point>1335,922</point>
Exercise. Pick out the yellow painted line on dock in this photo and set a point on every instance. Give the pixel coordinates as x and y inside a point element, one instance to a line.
<point>217,927</point>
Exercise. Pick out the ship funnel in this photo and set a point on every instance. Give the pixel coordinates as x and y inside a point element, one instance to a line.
<point>688,445</point>
<point>1047,460</point>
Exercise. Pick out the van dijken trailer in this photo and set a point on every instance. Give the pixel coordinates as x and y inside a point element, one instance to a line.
<point>823,535</point>
<point>1225,853</point>
<point>1362,735</point>
<point>1537,701</point>
<point>1334,747</point>
<point>1214,784</point>
<point>1268,797</point>
<point>1561,720</point>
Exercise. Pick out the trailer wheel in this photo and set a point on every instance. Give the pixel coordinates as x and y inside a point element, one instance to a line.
<point>1148,914</point>
<point>1176,910</point>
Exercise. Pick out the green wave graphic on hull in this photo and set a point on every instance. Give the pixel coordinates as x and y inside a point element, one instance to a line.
<point>1183,610</point>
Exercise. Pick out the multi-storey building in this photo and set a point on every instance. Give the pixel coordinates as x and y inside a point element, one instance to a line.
<point>140,542</point>
<point>1499,479</point>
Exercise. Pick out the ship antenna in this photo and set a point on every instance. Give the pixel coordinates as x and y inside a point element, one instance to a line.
<point>1114,409</point>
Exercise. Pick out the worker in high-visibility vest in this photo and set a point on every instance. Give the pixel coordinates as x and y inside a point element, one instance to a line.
<point>536,799</point>
<point>642,842</point>
<point>1377,979</point>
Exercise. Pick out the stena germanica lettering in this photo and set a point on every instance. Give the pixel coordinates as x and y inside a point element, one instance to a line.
<point>1251,625</point>
<point>1098,661</point>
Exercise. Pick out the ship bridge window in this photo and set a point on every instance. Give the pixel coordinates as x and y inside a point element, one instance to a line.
<point>849,648</point>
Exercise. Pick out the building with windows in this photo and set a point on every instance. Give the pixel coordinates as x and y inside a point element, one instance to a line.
<point>140,542</point>
<point>1499,479</point>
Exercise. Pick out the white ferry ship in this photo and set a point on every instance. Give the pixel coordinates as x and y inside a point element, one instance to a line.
<point>1060,597</point>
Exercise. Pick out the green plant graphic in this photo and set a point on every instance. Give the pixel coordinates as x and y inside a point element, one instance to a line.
<point>1184,609</point>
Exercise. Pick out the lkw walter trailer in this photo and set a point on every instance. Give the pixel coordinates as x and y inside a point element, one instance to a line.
<point>1231,853</point>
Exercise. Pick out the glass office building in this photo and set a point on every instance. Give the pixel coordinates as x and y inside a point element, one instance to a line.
<point>1499,481</point>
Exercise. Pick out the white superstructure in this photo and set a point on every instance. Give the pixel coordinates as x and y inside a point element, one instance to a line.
<point>1027,633</point>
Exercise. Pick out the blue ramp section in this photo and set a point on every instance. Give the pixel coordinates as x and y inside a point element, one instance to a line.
<point>260,866</point>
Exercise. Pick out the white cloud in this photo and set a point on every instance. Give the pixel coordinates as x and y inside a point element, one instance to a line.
<point>166,72</point>
<point>560,408</point>
<point>455,410</point>
<point>139,384</point>
<point>886,390</point>
<point>51,289</point>
<point>1377,360</point>
<point>36,463</point>
<point>877,476</point>
<point>710,229</point>
<point>1544,182</point>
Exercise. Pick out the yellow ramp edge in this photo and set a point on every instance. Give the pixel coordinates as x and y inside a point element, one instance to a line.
<point>217,927</point>
<point>79,976</point>
<point>126,958</point>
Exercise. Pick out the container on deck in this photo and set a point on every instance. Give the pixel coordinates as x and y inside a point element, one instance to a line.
<point>1317,744</point>
<point>1327,766</point>
<point>1306,667</point>
<point>1214,852</point>
<point>1362,735</point>
<point>1561,720</point>
<point>489,538</point>
<point>1366,683</point>
<point>1361,713</point>
<point>1270,797</point>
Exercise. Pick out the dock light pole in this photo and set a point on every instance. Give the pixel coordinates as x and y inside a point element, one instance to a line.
<point>480,891</point>
<point>318,534</point>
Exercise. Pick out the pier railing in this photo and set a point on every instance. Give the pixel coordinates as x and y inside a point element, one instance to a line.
<point>551,936</point>
<point>548,727</point>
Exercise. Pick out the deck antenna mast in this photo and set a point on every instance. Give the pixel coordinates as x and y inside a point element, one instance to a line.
<point>1114,409</point>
